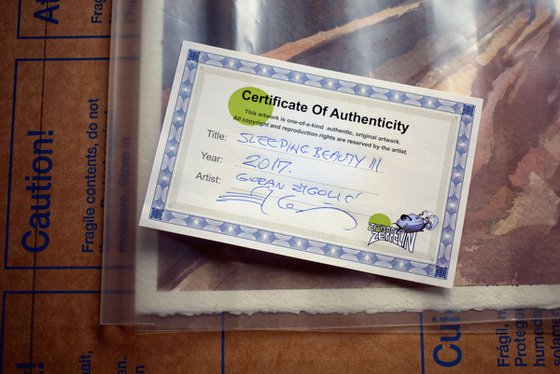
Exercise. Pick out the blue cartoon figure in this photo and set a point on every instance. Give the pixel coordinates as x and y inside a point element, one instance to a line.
<point>417,222</point>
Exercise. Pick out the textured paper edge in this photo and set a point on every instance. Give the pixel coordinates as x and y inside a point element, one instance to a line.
<point>151,301</point>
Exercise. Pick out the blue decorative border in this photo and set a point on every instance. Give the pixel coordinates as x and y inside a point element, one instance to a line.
<point>437,270</point>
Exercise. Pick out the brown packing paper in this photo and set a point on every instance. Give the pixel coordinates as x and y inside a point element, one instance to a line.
<point>50,297</point>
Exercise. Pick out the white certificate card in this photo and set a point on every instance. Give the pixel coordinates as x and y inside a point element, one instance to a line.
<point>314,164</point>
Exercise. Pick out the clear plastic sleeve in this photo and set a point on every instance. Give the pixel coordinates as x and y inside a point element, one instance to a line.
<point>504,52</point>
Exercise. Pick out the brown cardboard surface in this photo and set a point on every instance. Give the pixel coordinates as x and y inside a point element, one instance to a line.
<point>53,72</point>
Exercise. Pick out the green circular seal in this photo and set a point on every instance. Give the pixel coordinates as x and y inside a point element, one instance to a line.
<point>250,106</point>
<point>380,219</point>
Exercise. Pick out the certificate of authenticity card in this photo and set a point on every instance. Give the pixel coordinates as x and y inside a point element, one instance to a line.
<point>314,164</point>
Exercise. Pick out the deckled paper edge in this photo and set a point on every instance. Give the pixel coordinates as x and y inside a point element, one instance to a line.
<point>151,301</point>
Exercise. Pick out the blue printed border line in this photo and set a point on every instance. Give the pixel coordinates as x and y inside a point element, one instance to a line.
<point>465,111</point>
<point>4,320</point>
<point>20,36</point>
<point>7,266</point>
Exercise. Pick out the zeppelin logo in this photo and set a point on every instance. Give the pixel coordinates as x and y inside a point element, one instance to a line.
<point>36,238</point>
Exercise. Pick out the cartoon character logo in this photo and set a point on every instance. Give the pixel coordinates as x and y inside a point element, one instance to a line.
<point>407,227</point>
<point>417,222</point>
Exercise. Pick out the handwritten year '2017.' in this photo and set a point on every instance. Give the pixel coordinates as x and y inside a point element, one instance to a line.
<point>314,164</point>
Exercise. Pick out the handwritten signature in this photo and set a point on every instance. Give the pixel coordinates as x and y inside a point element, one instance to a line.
<point>263,198</point>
